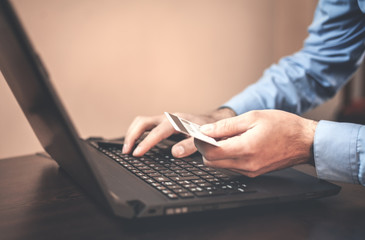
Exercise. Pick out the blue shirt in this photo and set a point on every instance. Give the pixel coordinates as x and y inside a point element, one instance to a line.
<point>332,52</point>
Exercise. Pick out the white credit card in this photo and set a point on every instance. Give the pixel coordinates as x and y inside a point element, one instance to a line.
<point>189,128</point>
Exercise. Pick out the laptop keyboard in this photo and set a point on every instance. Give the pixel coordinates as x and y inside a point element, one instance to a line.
<point>176,178</point>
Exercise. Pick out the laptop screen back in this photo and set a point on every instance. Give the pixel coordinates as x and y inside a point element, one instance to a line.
<point>29,82</point>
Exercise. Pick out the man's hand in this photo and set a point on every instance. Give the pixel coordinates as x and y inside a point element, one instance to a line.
<point>258,142</point>
<point>161,128</point>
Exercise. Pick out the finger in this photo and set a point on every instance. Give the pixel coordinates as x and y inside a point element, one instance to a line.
<point>228,127</point>
<point>136,129</point>
<point>224,163</point>
<point>232,147</point>
<point>157,134</point>
<point>184,148</point>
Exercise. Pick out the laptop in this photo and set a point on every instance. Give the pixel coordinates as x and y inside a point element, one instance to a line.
<point>156,184</point>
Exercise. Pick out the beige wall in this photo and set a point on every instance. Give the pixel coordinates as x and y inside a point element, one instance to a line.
<point>112,60</point>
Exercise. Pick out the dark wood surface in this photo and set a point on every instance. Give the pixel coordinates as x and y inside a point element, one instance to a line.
<point>40,201</point>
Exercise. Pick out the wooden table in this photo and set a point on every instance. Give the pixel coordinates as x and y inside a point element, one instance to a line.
<point>38,200</point>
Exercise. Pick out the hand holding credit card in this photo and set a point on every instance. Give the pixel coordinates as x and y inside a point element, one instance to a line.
<point>189,128</point>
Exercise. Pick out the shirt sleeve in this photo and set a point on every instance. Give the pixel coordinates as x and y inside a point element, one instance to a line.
<point>331,53</point>
<point>339,152</point>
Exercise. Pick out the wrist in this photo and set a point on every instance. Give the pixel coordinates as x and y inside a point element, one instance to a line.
<point>222,113</point>
<point>312,125</point>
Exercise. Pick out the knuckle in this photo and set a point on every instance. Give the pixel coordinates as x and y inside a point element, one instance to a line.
<point>254,114</point>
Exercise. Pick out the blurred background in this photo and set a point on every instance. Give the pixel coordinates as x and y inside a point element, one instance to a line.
<point>112,60</point>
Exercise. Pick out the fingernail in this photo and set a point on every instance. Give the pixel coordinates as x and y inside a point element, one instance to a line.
<point>207,128</point>
<point>125,148</point>
<point>178,150</point>
<point>137,151</point>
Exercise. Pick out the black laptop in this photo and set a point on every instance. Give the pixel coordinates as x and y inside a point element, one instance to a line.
<point>156,184</point>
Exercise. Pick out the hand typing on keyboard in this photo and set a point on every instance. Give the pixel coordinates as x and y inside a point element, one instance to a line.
<point>160,128</point>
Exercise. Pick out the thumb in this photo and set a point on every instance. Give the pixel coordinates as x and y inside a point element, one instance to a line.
<point>184,148</point>
<point>226,127</point>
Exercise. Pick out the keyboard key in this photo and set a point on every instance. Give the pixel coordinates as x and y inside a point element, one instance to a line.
<point>186,195</point>
<point>172,196</point>
<point>168,183</point>
<point>205,184</point>
<point>199,173</point>
<point>179,190</point>
<point>161,179</point>
<point>210,193</point>
<point>190,178</point>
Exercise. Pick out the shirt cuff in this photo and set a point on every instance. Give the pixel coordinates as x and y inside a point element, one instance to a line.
<point>335,151</point>
<point>245,101</point>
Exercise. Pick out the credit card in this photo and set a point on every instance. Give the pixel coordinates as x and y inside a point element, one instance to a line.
<point>189,128</point>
